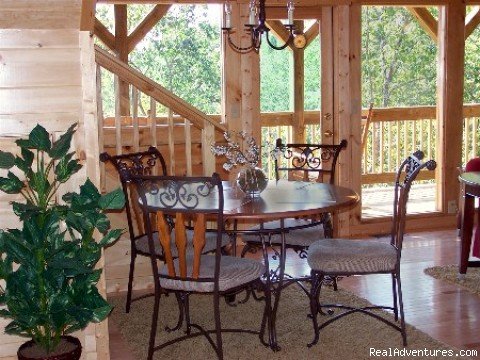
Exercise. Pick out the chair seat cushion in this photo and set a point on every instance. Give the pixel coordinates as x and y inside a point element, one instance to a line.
<point>141,243</point>
<point>344,256</point>
<point>234,272</point>
<point>301,232</point>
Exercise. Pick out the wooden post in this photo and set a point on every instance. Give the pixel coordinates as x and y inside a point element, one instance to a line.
<point>121,47</point>
<point>327,70</point>
<point>241,100</point>
<point>298,90</point>
<point>451,53</point>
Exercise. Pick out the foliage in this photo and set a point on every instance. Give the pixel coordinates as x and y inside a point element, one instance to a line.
<point>49,264</point>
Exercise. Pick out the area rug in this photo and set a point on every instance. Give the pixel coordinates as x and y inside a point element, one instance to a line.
<point>353,337</point>
<point>470,282</point>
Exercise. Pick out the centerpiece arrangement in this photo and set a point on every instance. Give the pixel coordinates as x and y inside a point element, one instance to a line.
<point>48,273</point>
<point>241,149</point>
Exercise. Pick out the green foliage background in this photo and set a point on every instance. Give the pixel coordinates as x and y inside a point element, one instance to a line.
<point>399,60</point>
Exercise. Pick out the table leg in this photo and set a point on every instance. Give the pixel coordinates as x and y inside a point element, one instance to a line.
<point>278,290</point>
<point>466,237</point>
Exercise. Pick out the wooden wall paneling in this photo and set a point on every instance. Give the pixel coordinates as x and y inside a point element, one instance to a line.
<point>35,39</point>
<point>451,52</point>
<point>30,67</point>
<point>34,14</point>
<point>42,99</point>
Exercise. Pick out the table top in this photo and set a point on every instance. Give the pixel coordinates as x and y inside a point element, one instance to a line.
<point>285,199</point>
<point>471,178</point>
<point>281,199</point>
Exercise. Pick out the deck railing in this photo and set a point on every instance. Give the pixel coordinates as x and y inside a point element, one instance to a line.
<point>393,134</point>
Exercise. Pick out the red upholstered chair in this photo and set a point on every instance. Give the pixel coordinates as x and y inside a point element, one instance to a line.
<point>472,165</point>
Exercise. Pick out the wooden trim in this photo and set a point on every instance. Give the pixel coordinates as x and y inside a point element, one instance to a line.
<point>146,25</point>
<point>298,90</point>
<point>104,35</point>
<point>301,12</point>
<point>426,21</point>
<point>87,16</point>
<point>472,21</point>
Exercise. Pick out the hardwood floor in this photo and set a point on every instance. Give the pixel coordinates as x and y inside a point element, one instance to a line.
<point>445,312</point>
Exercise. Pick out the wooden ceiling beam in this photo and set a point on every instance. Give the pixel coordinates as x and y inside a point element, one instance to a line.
<point>279,30</point>
<point>300,2</point>
<point>472,20</point>
<point>312,32</point>
<point>301,12</point>
<point>87,16</point>
<point>146,25</point>
<point>426,21</point>
<point>104,35</point>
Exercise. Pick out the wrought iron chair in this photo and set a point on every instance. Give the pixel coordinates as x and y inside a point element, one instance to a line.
<point>150,162</point>
<point>193,200</point>
<point>337,257</point>
<point>305,162</point>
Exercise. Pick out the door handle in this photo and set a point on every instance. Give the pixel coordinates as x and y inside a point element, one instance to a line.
<point>328,133</point>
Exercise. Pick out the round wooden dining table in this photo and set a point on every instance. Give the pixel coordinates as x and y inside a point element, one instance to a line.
<point>279,201</point>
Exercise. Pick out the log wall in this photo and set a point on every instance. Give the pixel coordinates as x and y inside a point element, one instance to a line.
<point>47,76</point>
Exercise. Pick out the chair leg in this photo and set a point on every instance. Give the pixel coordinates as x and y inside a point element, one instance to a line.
<point>153,329</point>
<point>133,256</point>
<point>218,325</point>
<point>317,280</point>
<point>402,314</point>
<point>395,297</point>
<point>186,304</point>
<point>181,309</point>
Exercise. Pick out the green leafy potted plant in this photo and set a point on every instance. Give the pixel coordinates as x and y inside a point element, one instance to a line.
<point>48,265</point>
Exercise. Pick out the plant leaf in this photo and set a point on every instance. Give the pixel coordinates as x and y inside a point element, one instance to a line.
<point>114,200</point>
<point>111,237</point>
<point>62,145</point>
<point>12,184</point>
<point>7,160</point>
<point>38,139</point>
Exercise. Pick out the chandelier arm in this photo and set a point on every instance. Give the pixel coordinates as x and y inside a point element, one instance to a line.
<point>289,40</point>
<point>239,49</point>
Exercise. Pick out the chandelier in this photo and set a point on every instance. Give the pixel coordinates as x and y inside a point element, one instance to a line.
<point>256,26</point>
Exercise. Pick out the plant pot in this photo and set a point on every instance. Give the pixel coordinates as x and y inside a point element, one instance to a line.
<point>68,349</point>
<point>252,180</point>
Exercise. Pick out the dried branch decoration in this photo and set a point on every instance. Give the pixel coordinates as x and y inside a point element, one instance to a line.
<point>244,152</point>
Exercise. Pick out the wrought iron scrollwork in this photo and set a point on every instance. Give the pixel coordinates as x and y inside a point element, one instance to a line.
<point>171,193</point>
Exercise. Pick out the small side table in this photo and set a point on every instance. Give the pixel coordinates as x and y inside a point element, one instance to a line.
<point>471,185</point>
